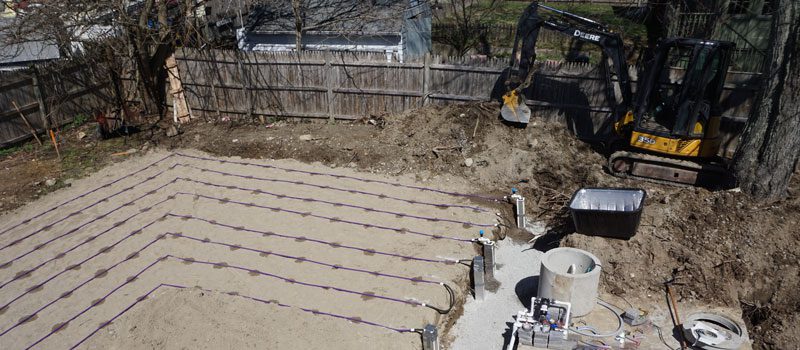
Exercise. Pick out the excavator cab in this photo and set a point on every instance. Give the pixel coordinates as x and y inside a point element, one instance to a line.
<point>677,110</point>
<point>672,133</point>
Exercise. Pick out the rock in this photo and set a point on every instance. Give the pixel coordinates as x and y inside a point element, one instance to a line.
<point>69,181</point>
<point>306,137</point>
<point>235,140</point>
<point>352,165</point>
<point>197,138</point>
<point>172,131</point>
<point>81,135</point>
<point>50,182</point>
<point>468,162</point>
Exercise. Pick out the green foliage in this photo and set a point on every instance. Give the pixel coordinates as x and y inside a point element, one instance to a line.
<point>509,12</point>
<point>79,120</point>
<point>27,147</point>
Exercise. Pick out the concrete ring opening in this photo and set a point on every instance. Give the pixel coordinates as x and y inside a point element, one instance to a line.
<point>570,275</point>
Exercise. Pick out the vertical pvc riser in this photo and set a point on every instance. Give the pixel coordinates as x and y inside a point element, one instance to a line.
<point>430,338</point>
<point>478,277</point>
<point>519,206</point>
<point>488,256</point>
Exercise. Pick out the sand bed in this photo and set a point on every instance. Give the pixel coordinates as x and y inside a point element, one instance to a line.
<point>184,250</point>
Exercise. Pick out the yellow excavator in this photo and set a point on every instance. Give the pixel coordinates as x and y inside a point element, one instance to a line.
<point>669,130</point>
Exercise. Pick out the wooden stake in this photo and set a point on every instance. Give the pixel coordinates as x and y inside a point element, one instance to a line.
<point>33,131</point>
<point>677,318</point>
<point>55,144</point>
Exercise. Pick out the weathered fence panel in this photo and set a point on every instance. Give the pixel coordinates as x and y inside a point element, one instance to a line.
<point>350,86</point>
<point>49,95</point>
<point>233,84</point>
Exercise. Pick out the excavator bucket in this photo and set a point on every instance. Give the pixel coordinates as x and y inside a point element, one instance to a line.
<point>514,108</point>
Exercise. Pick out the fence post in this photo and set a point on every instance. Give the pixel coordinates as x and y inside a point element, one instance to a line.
<point>426,79</point>
<point>38,92</point>
<point>246,88</point>
<point>215,69</point>
<point>329,76</point>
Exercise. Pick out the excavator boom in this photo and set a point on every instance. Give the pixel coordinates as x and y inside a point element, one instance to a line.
<point>521,71</point>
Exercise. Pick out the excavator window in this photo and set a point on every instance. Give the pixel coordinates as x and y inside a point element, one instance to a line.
<point>683,94</point>
<point>661,114</point>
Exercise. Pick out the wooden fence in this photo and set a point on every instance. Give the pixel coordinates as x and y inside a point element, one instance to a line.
<point>49,95</point>
<point>350,86</point>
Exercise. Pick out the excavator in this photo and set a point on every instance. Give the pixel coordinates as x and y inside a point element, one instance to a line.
<point>668,131</point>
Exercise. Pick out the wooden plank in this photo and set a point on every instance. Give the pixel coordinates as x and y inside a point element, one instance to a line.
<point>378,64</point>
<point>286,114</point>
<point>39,93</point>
<point>378,92</point>
<point>437,66</point>
<point>329,77</point>
<point>426,79</point>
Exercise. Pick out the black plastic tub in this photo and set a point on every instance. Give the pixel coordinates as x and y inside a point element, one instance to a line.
<point>607,212</point>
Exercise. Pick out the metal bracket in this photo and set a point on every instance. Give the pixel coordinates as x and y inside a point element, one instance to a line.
<point>430,338</point>
<point>488,256</point>
<point>478,280</point>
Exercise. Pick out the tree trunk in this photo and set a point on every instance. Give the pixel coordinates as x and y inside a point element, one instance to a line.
<point>298,24</point>
<point>769,147</point>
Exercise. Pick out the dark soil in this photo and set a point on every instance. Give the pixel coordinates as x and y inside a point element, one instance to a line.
<point>725,249</point>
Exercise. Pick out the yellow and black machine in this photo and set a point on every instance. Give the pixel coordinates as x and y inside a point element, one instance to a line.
<point>669,130</point>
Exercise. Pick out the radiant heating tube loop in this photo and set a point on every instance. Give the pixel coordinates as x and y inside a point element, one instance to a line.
<point>282,196</point>
<point>221,265</point>
<point>73,230</point>
<point>290,170</point>
<point>314,240</point>
<point>303,259</point>
<point>339,189</point>
<point>357,223</point>
<point>211,222</point>
<point>104,215</point>
<point>28,220</point>
<point>314,312</point>
<point>174,180</point>
<point>285,256</point>
<point>47,227</point>
<point>152,177</point>
<point>46,281</point>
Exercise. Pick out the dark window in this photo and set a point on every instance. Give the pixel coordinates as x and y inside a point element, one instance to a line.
<point>739,7</point>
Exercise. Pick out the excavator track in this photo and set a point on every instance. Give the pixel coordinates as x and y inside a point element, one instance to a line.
<point>664,170</point>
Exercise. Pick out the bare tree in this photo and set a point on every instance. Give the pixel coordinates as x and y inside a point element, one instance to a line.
<point>770,145</point>
<point>99,33</point>
<point>341,16</point>
<point>464,19</point>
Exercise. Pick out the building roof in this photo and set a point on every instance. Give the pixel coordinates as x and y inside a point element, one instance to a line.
<point>22,51</point>
<point>333,16</point>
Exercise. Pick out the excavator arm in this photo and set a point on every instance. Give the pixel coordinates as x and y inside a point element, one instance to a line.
<point>582,29</point>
